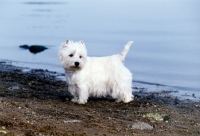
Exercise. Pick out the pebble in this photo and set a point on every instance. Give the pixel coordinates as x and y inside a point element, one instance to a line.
<point>72,121</point>
<point>141,126</point>
<point>12,88</point>
<point>3,127</point>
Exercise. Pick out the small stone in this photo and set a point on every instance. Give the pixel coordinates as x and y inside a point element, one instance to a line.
<point>3,127</point>
<point>141,126</point>
<point>14,88</point>
<point>72,121</point>
<point>34,113</point>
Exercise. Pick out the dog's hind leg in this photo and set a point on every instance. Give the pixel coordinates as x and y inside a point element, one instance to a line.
<point>127,95</point>
<point>122,90</point>
<point>124,95</point>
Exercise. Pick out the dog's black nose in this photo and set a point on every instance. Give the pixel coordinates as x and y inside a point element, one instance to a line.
<point>76,64</point>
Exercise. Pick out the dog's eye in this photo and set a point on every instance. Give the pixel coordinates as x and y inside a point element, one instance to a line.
<point>71,55</point>
<point>80,56</point>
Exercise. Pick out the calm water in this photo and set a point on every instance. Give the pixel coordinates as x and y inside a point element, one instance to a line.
<point>166,34</point>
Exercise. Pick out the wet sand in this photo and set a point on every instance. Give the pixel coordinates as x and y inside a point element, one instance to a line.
<point>36,103</point>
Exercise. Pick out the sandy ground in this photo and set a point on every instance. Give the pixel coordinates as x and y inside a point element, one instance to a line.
<point>36,103</point>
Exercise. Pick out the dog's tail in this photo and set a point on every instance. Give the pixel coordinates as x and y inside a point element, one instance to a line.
<point>126,49</point>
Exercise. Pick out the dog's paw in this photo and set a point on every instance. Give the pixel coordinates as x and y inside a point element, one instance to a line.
<point>127,100</point>
<point>79,101</point>
<point>82,101</point>
<point>75,100</point>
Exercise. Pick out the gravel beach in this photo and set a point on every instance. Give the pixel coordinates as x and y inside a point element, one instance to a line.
<point>36,103</point>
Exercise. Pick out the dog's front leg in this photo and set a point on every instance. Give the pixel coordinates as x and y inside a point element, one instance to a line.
<point>82,94</point>
<point>73,90</point>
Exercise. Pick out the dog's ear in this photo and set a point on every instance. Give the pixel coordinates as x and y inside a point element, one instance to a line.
<point>81,42</point>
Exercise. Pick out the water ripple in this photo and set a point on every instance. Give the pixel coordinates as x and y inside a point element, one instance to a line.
<point>44,3</point>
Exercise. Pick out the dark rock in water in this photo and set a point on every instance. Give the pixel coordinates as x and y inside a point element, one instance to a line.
<point>34,48</point>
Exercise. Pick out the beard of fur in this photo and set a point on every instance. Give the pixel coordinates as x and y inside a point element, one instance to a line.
<point>74,68</point>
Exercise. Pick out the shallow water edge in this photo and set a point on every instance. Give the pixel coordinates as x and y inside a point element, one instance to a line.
<point>36,102</point>
<point>138,86</point>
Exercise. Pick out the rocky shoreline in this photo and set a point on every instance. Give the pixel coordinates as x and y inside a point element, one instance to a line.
<point>36,102</point>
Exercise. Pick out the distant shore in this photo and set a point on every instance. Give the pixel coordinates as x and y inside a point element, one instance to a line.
<point>36,102</point>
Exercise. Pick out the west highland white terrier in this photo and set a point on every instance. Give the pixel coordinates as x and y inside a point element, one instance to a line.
<point>95,76</point>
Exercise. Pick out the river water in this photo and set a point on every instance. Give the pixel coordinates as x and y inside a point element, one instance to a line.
<point>166,35</point>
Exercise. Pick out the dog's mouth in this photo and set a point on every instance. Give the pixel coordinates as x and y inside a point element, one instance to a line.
<point>74,68</point>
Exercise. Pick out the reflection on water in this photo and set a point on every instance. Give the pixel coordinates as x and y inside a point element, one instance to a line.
<point>34,48</point>
<point>43,10</point>
<point>43,3</point>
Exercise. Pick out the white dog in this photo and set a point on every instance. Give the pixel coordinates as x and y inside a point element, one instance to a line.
<point>95,76</point>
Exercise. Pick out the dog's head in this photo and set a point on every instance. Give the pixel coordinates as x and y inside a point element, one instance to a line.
<point>72,55</point>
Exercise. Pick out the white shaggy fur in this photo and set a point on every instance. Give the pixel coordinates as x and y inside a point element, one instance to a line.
<point>95,76</point>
